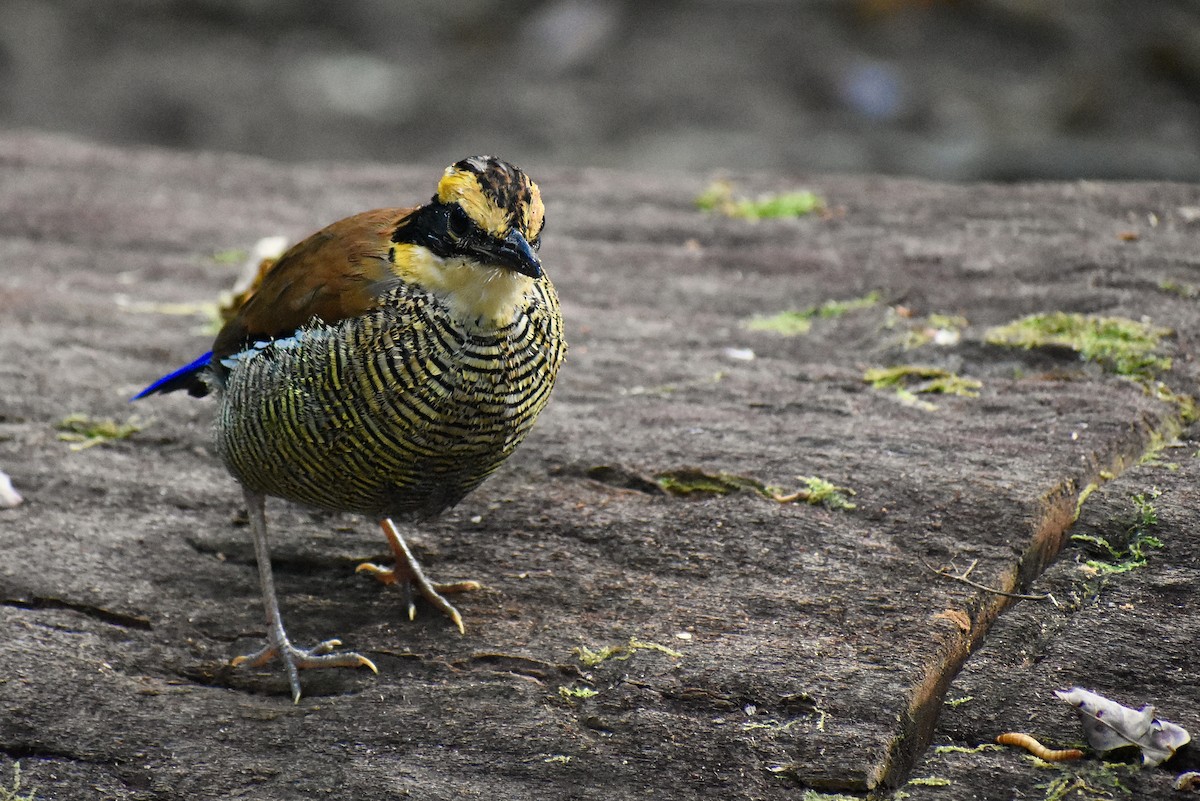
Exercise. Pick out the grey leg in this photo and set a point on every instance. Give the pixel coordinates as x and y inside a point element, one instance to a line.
<point>294,659</point>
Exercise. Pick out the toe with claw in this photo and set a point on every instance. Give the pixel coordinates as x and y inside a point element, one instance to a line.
<point>408,574</point>
<point>296,659</point>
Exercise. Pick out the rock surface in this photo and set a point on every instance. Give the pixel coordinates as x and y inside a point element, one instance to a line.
<point>1130,636</point>
<point>768,647</point>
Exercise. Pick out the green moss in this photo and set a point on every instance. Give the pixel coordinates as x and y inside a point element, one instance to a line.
<point>590,658</point>
<point>14,793</point>
<point>787,323</point>
<point>909,398</point>
<point>930,781</point>
<point>1185,404</point>
<point>1093,782</point>
<point>620,652</point>
<point>923,379</point>
<point>1125,548</point>
<point>953,385</point>
<point>83,431</point>
<point>939,329</point>
<point>1120,345</point>
<point>787,204</point>
<point>1183,290</point>
<point>1058,789</point>
<point>813,795</point>
<point>769,724</point>
<point>231,256</point>
<point>947,322</point>
<point>954,703</point>
<point>816,491</point>
<point>719,198</point>
<point>690,481</point>
<point>796,322</point>
<point>819,492</point>
<point>958,749</point>
<point>577,693</point>
<point>1157,444</point>
<point>908,380</point>
<point>1086,493</point>
<point>836,308</point>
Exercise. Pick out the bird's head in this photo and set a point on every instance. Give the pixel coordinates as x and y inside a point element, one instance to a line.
<point>486,212</point>
<point>476,241</point>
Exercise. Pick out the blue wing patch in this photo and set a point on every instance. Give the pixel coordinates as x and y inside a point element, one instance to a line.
<point>189,378</point>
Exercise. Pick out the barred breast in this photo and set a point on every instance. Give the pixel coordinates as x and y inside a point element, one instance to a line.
<point>396,413</point>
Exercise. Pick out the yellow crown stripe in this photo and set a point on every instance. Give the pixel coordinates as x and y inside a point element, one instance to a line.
<point>462,187</point>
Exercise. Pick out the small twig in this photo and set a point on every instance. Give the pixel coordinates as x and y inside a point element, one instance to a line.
<point>963,578</point>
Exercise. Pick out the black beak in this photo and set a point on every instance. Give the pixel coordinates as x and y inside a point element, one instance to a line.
<point>516,254</point>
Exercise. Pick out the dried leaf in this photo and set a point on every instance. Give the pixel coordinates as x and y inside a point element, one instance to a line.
<point>1188,782</point>
<point>1109,726</point>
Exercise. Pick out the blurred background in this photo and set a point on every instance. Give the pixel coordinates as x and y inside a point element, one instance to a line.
<point>948,89</point>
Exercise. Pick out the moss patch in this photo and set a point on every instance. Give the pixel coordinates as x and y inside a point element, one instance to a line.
<point>933,380</point>
<point>1125,548</point>
<point>1157,445</point>
<point>816,491</point>
<point>1183,290</point>
<point>14,793</point>
<point>83,431</point>
<point>230,256</point>
<point>1120,345</point>
<point>819,492</point>
<point>936,329</point>
<point>960,749</point>
<point>621,652</point>
<point>1186,404</point>
<point>908,380</point>
<point>690,481</point>
<point>796,322</point>
<point>577,693</point>
<point>719,197</point>
<point>1094,782</point>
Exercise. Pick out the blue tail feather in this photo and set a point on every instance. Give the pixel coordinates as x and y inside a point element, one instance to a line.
<point>189,378</point>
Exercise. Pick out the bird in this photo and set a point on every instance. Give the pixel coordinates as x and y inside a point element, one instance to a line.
<point>385,366</point>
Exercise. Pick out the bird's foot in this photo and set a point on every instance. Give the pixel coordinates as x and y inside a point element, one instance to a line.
<point>296,659</point>
<point>409,575</point>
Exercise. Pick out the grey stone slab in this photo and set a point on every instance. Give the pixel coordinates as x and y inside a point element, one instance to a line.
<point>815,645</point>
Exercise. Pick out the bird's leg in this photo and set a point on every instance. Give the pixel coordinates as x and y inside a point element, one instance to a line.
<point>294,659</point>
<point>407,573</point>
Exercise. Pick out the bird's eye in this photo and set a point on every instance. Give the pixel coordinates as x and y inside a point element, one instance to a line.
<point>459,223</point>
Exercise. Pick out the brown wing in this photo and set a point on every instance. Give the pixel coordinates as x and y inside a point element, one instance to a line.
<point>338,272</point>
